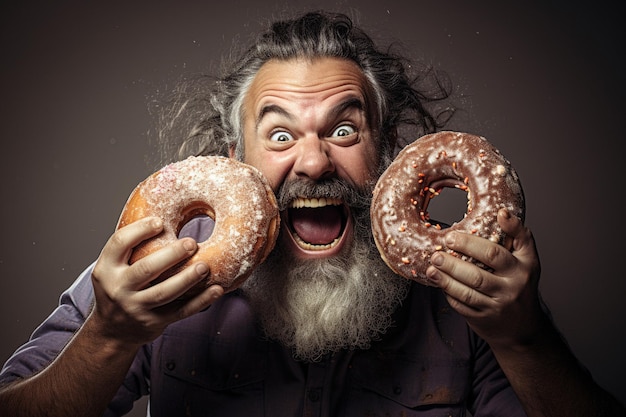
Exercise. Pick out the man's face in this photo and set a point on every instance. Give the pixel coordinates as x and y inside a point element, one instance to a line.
<point>307,127</point>
<point>308,121</point>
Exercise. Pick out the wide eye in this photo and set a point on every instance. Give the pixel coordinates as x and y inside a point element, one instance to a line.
<point>281,136</point>
<point>344,130</point>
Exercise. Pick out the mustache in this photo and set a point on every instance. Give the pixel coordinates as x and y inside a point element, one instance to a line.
<point>354,196</point>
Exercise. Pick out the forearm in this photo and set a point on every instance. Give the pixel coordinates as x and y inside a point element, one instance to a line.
<point>81,381</point>
<point>549,380</point>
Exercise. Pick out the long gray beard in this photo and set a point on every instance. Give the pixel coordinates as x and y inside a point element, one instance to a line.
<point>319,306</point>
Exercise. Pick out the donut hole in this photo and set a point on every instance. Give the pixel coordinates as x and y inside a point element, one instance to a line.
<point>449,206</point>
<point>199,226</point>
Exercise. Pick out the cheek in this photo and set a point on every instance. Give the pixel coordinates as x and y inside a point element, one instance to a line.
<point>273,166</point>
<point>360,165</point>
<point>263,160</point>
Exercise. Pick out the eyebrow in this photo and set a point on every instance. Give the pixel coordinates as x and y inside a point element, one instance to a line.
<point>272,108</point>
<point>349,103</point>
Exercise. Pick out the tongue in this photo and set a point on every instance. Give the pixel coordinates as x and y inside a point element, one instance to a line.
<point>318,226</point>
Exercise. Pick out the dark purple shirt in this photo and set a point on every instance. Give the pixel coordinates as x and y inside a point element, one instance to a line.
<point>217,363</point>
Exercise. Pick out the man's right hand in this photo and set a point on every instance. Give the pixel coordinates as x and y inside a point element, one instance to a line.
<point>128,312</point>
<point>128,308</point>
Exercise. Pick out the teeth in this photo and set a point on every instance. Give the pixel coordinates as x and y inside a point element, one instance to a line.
<point>309,246</point>
<point>315,202</point>
<point>302,202</point>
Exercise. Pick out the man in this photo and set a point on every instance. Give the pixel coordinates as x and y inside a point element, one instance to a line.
<point>323,327</point>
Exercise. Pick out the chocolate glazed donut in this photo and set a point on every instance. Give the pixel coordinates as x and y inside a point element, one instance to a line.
<point>405,235</point>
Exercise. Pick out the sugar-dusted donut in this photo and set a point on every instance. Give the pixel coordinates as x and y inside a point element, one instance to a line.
<point>405,235</point>
<point>235,195</point>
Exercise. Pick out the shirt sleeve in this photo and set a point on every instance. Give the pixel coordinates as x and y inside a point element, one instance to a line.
<point>51,336</point>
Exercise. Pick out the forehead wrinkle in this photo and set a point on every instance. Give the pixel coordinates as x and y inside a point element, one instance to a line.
<point>306,87</point>
<point>334,112</point>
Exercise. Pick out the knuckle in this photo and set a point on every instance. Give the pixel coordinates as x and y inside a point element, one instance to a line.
<point>454,303</point>
<point>492,254</point>
<point>97,271</point>
<point>117,294</point>
<point>143,268</point>
<point>158,297</point>
<point>477,280</point>
<point>468,297</point>
<point>117,240</point>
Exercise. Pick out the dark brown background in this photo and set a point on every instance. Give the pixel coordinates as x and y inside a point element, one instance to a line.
<point>542,80</point>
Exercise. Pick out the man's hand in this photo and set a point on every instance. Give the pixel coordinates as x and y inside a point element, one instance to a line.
<point>129,311</point>
<point>128,308</point>
<point>500,304</point>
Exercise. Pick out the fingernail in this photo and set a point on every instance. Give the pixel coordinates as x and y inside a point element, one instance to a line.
<point>189,245</point>
<point>432,274</point>
<point>216,294</point>
<point>202,269</point>
<point>157,223</point>
<point>436,259</point>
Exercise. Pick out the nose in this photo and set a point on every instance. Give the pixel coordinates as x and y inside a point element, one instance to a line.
<point>314,159</point>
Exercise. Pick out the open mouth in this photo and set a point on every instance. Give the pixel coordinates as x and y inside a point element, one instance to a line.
<point>317,224</point>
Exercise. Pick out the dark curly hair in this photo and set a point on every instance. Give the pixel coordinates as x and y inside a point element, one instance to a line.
<point>208,113</point>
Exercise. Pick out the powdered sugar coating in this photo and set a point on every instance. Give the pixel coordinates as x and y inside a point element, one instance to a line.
<point>234,194</point>
<point>405,235</point>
